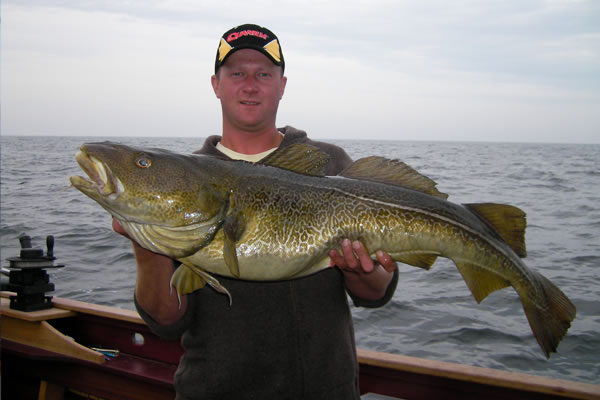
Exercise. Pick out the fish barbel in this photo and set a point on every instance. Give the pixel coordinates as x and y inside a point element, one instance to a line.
<point>278,220</point>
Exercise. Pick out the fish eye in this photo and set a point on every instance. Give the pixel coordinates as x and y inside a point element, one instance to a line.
<point>143,161</point>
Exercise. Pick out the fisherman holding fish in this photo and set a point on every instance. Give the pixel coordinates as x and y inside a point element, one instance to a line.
<point>290,339</point>
<point>276,223</point>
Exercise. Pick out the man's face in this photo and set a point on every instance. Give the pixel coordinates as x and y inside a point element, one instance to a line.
<point>249,86</point>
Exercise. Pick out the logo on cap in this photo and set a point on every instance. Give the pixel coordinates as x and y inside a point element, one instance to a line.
<point>236,35</point>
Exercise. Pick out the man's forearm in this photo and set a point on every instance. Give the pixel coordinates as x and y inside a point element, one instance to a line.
<point>153,291</point>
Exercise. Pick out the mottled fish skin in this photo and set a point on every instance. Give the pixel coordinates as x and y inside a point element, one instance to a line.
<point>293,220</point>
<point>259,222</point>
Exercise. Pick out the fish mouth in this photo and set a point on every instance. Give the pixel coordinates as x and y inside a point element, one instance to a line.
<point>101,179</point>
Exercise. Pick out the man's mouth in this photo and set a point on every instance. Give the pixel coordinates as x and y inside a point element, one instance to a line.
<point>250,103</point>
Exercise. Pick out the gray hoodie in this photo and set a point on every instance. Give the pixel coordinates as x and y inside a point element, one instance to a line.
<point>279,340</point>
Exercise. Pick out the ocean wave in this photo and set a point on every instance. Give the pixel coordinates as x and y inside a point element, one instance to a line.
<point>432,313</point>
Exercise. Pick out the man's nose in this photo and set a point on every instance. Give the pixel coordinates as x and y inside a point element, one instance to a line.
<point>250,84</point>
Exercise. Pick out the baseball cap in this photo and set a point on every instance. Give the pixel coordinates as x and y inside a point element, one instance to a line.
<point>249,36</point>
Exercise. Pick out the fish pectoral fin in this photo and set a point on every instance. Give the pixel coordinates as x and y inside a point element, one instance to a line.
<point>550,320</point>
<point>421,260</point>
<point>230,256</point>
<point>391,172</point>
<point>300,158</point>
<point>233,228</point>
<point>508,221</point>
<point>480,282</point>
<point>188,278</point>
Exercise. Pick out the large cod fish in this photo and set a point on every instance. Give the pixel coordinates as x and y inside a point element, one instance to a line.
<point>278,220</point>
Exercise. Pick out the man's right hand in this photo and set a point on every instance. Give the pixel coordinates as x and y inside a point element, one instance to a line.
<point>152,290</point>
<point>119,229</point>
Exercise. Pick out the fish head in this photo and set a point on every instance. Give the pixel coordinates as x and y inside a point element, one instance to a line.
<point>148,186</point>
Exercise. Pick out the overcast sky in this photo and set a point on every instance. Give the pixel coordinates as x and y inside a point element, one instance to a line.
<point>476,70</point>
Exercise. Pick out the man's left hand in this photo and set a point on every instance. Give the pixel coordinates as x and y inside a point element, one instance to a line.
<point>364,277</point>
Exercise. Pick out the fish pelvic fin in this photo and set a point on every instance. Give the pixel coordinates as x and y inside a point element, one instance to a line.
<point>479,281</point>
<point>391,172</point>
<point>300,158</point>
<point>508,221</point>
<point>188,278</point>
<point>550,321</point>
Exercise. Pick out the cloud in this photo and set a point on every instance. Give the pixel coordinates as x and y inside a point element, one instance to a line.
<point>472,70</point>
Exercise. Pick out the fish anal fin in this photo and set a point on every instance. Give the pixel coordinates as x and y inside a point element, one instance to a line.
<point>391,172</point>
<point>233,228</point>
<point>551,321</point>
<point>420,260</point>
<point>479,281</point>
<point>508,221</point>
<point>188,278</point>
<point>300,158</point>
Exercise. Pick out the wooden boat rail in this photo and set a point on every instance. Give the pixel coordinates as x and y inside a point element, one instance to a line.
<point>46,354</point>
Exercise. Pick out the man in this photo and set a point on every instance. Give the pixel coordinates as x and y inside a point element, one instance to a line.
<point>279,340</point>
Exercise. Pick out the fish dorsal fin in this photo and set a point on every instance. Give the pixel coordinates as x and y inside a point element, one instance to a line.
<point>299,157</point>
<point>391,172</point>
<point>508,221</point>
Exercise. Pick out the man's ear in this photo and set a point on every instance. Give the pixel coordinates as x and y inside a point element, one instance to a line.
<point>214,81</point>
<point>283,83</point>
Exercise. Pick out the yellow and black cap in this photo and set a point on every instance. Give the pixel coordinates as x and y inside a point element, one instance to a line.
<point>249,36</point>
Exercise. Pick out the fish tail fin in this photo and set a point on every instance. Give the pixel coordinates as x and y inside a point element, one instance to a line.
<point>551,321</point>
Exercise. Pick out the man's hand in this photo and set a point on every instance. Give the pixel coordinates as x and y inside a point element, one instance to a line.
<point>118,228</point>
<point>364,277</point>
<point>152,289</point>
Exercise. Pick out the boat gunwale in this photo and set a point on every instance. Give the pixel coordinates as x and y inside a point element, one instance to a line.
<point>393,362</point>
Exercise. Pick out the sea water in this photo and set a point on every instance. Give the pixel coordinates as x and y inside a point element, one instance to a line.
<point>432,314</point>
